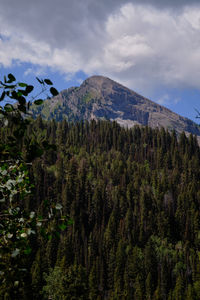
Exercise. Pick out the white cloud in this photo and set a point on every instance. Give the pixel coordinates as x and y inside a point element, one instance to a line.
<point>169,47</point>
<point>125,52</point>
<point>167,100</point>
<point>38,71</point>
<point>192,16</point>
<point>140,45</point>
<point>163,99</point>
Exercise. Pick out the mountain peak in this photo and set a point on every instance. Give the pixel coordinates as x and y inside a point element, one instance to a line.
<point>99,97</point>
<point>99,82</point>
<point>98,79</point>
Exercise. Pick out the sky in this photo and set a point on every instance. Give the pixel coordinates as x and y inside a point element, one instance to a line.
<point>150,46</point>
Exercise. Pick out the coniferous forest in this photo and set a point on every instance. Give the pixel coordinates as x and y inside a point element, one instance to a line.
<point>133,197</point>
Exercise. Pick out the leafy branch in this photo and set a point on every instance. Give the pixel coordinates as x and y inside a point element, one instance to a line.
<point>17,224</point>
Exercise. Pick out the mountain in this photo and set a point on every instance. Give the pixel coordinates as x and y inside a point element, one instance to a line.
<point>99,97</point>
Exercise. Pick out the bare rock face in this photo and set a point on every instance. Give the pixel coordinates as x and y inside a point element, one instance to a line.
<point>99,97</point>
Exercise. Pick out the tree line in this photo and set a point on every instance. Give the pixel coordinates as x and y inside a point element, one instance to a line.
<point>133,197</point>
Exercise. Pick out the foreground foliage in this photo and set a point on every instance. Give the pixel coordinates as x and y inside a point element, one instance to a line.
<point>17,151</point>
<point>134,197</point>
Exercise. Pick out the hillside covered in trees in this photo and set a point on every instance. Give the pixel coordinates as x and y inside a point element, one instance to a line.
<point>134,199</point>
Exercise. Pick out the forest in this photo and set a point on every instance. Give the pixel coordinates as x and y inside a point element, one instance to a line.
<point>133,200</point>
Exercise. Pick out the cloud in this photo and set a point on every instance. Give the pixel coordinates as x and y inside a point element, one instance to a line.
<point>148,48</point>
<point>143,44</point>
<point>166,99</point>
<point>36,71</point>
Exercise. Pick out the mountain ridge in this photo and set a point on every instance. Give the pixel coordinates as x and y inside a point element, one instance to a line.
<point>100,97</point>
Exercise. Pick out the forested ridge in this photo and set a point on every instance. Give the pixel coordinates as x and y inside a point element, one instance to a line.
<point>133,196</point>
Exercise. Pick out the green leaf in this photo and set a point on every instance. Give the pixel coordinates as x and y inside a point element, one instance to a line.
<point>27,251</point>
<point>21,100</point>
<point>22,84</point>
<point>53,91</point>
<point>14,95</point>
<point>22,92</point>
<point>70,222</point>
<point>8,108</point>
<point>29,89</point>
<point>62,226</point>
<point>19,94</point>
<point>3,95</point>
<point>48,81</point>
<point>38,102</point>
<point>11,78</point>
<point>10,87</point>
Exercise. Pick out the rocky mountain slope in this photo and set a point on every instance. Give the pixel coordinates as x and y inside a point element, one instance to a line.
<point>99,97</point>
